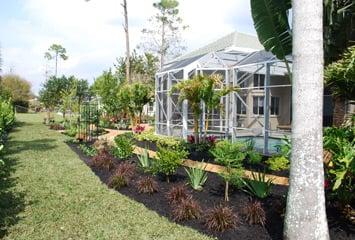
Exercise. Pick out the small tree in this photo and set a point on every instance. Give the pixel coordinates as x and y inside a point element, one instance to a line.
<point>18,88</point>
<point>56,51</point>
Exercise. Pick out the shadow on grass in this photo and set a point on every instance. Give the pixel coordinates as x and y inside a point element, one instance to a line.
<point>11,202</point>
<point>40,145</point>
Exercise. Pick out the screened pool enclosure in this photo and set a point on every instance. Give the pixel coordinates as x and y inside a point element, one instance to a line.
<point>261,108</point>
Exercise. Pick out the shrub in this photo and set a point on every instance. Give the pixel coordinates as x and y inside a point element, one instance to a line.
<point>144,160</point>
<point>221,218</point>
<point>187,209</point>
<point>197,177</point>
<point>231,156</point>
<point>258,186</point>
<point>122,176</point>
<point>103,160</point>
<point>176,194</point>
<point>254,213</point>
<point>147,185</point>
<point>56,126</point>
<point>71,132</point>
<point>88,150</point>
<point>254,157</point>
<point>168,161</point>
<point>170,142</point>
<point>124,146</point>
<point>278,163</point>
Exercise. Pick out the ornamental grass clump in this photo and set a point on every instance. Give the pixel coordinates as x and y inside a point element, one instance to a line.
<point>187,209</point>
<point>177,193</point>
<point>221,218</point>
<point>147,185</point>
<point>254,213</point>
<point>197,177</point>
<point>103,160</point>
<point>122,176</point>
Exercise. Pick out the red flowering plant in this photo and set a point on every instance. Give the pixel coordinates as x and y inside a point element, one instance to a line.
<point>191,139</point>
<point>211,140</point>
<point>139,129</point>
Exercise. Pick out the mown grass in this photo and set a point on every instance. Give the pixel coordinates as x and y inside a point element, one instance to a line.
<point>56,196</point>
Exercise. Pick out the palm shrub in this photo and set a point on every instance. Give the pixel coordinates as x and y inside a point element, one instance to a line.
<point>258,186</point>
<point>197,177</point>
<point>230,155</point>
<point>168,160</point>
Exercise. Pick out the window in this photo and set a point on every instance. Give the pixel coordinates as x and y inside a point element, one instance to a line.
<point>241,109</point>
<point>258,105</point>
<point>275,106</point>
<point>259,81</point>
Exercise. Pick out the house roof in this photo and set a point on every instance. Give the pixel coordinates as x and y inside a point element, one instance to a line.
<point>233,41</point>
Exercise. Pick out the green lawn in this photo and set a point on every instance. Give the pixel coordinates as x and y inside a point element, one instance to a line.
<point>50,193</point>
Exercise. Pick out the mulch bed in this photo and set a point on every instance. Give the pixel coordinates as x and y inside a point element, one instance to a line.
<point>212,195</point>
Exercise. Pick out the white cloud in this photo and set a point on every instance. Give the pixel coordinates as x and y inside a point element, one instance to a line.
<point>92,31</point>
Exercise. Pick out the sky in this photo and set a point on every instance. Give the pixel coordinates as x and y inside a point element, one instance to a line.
<point>93,35</point>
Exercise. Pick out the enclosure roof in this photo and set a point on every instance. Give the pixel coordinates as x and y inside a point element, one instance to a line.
<point>237,41</point>
<point>260,57</point>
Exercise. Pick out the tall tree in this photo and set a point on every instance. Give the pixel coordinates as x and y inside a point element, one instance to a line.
<point>18,88</point>
<point>164,39</point>
<point>56,51</point>
<point>305,212</point>
<point>128,51</point>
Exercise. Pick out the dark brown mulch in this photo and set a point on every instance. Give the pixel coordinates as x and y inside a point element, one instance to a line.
<point>211,196</point>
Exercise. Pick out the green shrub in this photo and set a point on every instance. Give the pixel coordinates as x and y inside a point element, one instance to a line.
<point>124,146</point>
<point>278,163</point>
<point>71,132</point>
<point>254,157</point>
<point>168,160</point>
<point>88,150</point>
<point>230,155</point>
<point>197,178</point>
<point>258,186</point>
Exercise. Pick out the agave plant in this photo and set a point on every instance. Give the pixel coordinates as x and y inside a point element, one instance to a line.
<point>144,160</point>
<point>258,186</point>
<point>197,177</point>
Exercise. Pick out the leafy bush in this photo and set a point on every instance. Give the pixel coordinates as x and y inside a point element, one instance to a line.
<point>147,185</point>
<point>71,132</point>
<point>258,186</point>
<point>88,150</point>
<point>187,209</point>
<point>254,213</point>
<point>168,160</point>
<point>124,146</point>
<point>103,160</point>
<point>7,116</point>
<point>231,156</point>
<point>197,178</point>
<point>254,157</point>
<point>221,218</point>
<point>176,194</point>
<point>340,170</point>
<point>144,160</point>
<point>278,163</point>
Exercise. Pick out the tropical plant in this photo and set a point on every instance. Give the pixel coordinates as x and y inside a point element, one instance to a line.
<point>272,26</point>
<point>187,209</point>
<point>341,168</point>
<point>255,213</point>
<point>56,51</point>
<point>340,78</point>
<point>258,186</point>
<point>197,177</point>
<point>230,155</point>
<point>168,160</point>
<point>144,160</point>
<point>221,218</point>
<point>103,160</point>
<point>124,147</point>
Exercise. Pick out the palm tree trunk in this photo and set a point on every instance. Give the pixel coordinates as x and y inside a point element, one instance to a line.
<point>128,57</point>
<point>196,129</point>
<point>339,111</point>
<point>305,212</point>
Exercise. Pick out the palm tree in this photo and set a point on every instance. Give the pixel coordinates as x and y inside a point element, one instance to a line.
<point>305,212</point>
